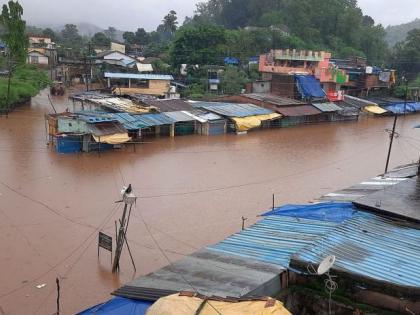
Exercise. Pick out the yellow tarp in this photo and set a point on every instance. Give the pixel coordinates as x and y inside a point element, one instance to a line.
<point>375,109</point>
<point>246,123</point>
<point>117,138</point>
<point>183,305</point>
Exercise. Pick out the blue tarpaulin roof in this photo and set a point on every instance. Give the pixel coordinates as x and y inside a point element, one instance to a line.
<point>309,86</point>
<point>370,246</point>
<point>400,108</point>
<point>119,306</point>
<point>331,211</point>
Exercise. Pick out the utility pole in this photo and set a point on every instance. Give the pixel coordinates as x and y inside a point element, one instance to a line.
<point>129,199</point>
<point>406,94</point>
<point>9,81</point>
<point>57,281</point>
<point>391,142</point>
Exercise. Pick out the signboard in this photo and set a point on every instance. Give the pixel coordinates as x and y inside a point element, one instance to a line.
<point>105,242</point>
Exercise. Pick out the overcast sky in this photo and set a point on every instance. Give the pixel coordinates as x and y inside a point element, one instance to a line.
<point>130,14</point>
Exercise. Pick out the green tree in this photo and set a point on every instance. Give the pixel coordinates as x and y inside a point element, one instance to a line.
<point>407,55</point>
<point>198,45</point>
<point>14,31</point>
<point>142,37</point>
<point>111,33</point>
<point>170,23</point>
<point>129,38</point>
<point>100,40</point>
<point>70,34</point>
<point>50,33</point>
<point>233,80</point>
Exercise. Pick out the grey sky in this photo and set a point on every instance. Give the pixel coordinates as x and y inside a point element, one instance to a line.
<point>130,14</point>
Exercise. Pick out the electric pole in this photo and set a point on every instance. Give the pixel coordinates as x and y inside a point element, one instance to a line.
<point>129,199</point>
<point>391,142</point>
<point>9,81</point>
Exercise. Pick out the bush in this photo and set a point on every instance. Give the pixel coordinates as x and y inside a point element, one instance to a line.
<point>26,82</point>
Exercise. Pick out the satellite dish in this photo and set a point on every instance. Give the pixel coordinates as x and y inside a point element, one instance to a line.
<point>326,265</point>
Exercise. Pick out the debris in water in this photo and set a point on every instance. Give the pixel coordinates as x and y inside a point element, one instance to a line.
<point>40,286</point>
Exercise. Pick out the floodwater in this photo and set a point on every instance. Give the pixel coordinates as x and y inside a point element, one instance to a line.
<point>192,191</point>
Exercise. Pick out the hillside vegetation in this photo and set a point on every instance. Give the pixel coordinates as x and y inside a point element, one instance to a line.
<point>398,33</point>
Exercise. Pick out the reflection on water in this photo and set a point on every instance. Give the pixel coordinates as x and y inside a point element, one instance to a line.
<point>192,190</point>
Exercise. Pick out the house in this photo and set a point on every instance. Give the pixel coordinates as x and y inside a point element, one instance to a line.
<point>2,48</point>
<point>45,46</point>
<point>280,65</point>
<point>117,47</point>
<point>37,58</point>
<point>242,117</point>
<point>132,83</point>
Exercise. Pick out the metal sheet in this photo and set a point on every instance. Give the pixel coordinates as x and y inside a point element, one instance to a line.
<point>150,120</point>
<point>169,105</point>
<point>273,99</point>
<point>138,76</point>
<point>212,273</point>
<point>179,116</point>
<point>300,110</point>
<point>373,247</point>
<point>233,109</point>
<point>274,239</point>
<point>327,107</point>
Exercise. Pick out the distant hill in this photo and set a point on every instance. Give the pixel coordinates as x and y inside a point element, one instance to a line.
<point>398,33</point>
<point>85,29</point>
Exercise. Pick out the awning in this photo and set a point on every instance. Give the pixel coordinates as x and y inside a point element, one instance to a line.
<point>298,111</point>
<point>118,138</point>
<point>247,123</point>
<point>327,107</point>
<point>374,109</point>
<point>309,86</point>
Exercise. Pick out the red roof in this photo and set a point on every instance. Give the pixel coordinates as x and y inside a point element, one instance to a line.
<point>299,110</point>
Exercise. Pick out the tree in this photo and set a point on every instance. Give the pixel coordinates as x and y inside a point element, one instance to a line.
<point>100,40</point>
<point>14,31</point>
<point>50,33</point>
<point>202,45</point>
<point>129,38</point>
<point>70,34</point>
<point>233,80</point>
<point>407,55</point>
<point>142,37</point>
<point>170,23</point>
<point>111,33</point>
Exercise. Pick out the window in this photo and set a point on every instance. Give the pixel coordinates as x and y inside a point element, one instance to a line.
<point>33,59</point>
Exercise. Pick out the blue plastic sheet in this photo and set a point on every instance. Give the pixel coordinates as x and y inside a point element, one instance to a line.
<point>309,86</point>
<point>119,306</point>
<point>330,211</point>
<point>231,61</point>
<point>400,108</point>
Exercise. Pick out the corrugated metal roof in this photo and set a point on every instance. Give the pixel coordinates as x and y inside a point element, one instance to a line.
<point>300,110</point>
<point>274,239</point>
<point>179,116</point>
<point>273,99</point>
<point>106,128</point>
<point>233,109</point>
<point>210,273</point>
<point>357,102</point>
<point>150,120</point>
<point>370,246</point>
<point>169,105</point>
<point>327,107</point>
<point>138,76</point>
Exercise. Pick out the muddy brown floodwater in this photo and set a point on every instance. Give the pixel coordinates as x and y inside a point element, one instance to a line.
<point>192,191</point>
